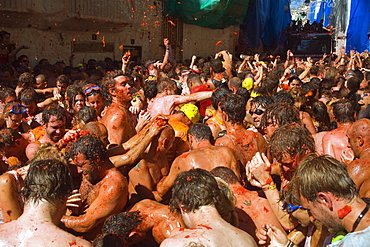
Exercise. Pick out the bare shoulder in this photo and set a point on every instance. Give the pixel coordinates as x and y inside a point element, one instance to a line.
<point>224,141</point>
<point>7,180</point>
<point>116,178</point>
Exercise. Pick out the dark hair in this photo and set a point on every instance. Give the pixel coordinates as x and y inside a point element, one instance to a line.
<point>234,106</point>
<point>322,174</point>
<point>310,87</point>
<point>294,78</point>
<point>8,137</point>
<point>150,89</point>
<point>217,66</point>
<point>122,223</point>
<point>87,114</point>
<point>225,174</point>
<point>88,145</point>
<point>47,179</point>
<point>6,92</point>
<point>27,95</point>
<point>195,188</point>
<point>353,83</point>
<point>63,79</point>
<point>344,111</point>
<point>108,240</point>
<point>53,110</point>
<point>200,132</point>
<point>292,139</point>
<point>109,83</point>
<point>218,96</point>
<point>244,93</point>
<point>26,79</point>
<point>283,96</point>
<point>71,93</point>
<point>320,115</point>
<point>268,86</point>
<point>280,113</point>
<point>263,101</point>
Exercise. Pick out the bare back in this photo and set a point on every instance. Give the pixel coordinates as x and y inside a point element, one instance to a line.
<point>219,234</point>
<point>335,142</point>
<point>28,232</point>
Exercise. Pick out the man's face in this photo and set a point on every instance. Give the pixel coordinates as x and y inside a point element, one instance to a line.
<point>256,112</point>
<point>270,128</point>
<point>295,84</point>
<point>30,108</point>
<point>62,87</point>
<point>55,129</point>
<point>8,99</point>
<point>40,84</point>
<point>89,169</point>
<point>123,88</point>
<point>13,120</point>
<point>96,101</point>
<point>323,214</point>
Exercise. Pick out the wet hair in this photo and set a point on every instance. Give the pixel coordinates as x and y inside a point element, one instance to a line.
<point>122,223</point>
<point>218,96</point>
<point>280,113</point>
<point>166,83</point>
<point>195,79</point>
<point>93,92</point>
<point>314,70</point>
<point>49,180</point>
<point>263,101</point>
<point>195,188</point>
<point>27,96</point>
<point>225,174</point>
<point>53,110</point>
<point>8,137</point>
<point>200,132</point>
<point>310,87</point>
<point>344,111</point>
<point>26,79</point>
<point>321,116</point>
<point>88,145</point>
<point>108,240</point>
<point>283,97</point>
<point>234,106</point>
<point>217,66</point>
<point>150,89</point>
<point>268,86</point>
<point>109,83</point>
<point>353,83</point>
<point>293,139</point>
<point>298,96</point>
<point>48,151</point>
<point>71,93</point>
<point>244,93</point>
<point>6,92</point>
<point>63,79</point>
<point>87,114</point>
<point>291,79</point>
<point>322,174</point>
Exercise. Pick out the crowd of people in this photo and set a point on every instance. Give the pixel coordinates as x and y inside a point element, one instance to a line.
<point>212,151</point>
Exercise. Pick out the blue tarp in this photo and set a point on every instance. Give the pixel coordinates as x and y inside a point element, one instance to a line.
<point>264,22</point>
<point>321,10</point>
<point>359,26</point>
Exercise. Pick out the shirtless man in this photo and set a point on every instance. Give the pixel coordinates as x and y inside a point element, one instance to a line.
<point>335,142</point>
<point>45,205</point>
<point>216,122</point>
<point>359,169</point>
<point>202,155</point>
<point>166,99</point>
<point>103,188</point>
<point>253,210</point>
<point>289,145</point>
<point>54,121</point>
<point>119,121</point>
<point>258,107</point>
<point>245,143</point>
<point>152,166</point>
<point>147,223</point>
<point>200,212</point>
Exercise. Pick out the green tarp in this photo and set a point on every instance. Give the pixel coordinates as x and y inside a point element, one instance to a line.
<point>215,14</point>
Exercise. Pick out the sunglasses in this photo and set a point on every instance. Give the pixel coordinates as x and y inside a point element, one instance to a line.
<point>91,88</point>
<point>257,112</point>
<point>16,109</point>
<point>290,208</point>
<point>365,94</point>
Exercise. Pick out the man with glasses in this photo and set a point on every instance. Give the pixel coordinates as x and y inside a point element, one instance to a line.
<point>257,108</point>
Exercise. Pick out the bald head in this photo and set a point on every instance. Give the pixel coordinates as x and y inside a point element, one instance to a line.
<point>98,129</point>
<point>359,136</point>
